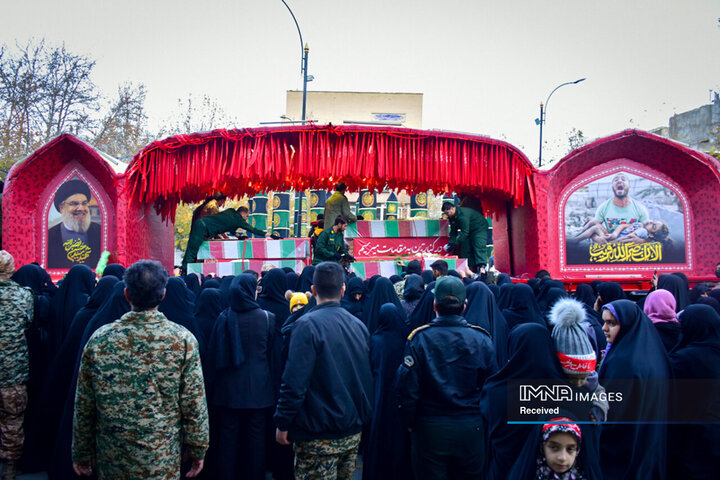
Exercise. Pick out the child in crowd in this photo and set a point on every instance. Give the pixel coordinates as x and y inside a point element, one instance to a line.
<point>649,231</point>
<point>297,300</point>
<point>575,352</point>
<point>560,449</point>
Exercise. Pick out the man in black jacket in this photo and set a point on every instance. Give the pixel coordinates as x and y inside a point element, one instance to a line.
<point>326,392</point>
<point>439,382</point>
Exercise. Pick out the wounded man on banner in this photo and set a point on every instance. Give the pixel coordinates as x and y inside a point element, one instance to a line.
<point>468,235</point>
<point>207,227</point>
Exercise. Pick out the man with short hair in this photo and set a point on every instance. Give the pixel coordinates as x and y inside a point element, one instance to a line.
<point>468,232</point>
<point>207,227</point>
<point>338,205</point>
<point>16,314</point>
<point>439,382</point>
<point>621,208</point>
<point>439,269</point>
<point>140,394</point>
<point>76,239</point>
<point>330,245</point>
<point>326,392</point>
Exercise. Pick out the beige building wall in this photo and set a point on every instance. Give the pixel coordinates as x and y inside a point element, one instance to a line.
<point>340,107</point>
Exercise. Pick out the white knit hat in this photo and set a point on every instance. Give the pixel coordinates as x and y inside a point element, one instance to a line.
<point>571,340</point>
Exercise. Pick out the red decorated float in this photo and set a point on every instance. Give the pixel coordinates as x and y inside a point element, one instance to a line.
<point>537,215</point>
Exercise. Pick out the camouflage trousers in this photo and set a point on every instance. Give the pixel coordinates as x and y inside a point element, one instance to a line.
<point>13,401</point>
<point>326,459</point>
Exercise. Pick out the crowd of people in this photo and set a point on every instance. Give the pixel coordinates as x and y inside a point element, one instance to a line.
<point>137,375</point>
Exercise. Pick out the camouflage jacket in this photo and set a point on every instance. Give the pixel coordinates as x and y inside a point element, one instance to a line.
<point>140,396</point>
<point>16,313</point>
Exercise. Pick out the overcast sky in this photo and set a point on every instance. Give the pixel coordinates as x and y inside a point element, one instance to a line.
<point>483,66</point>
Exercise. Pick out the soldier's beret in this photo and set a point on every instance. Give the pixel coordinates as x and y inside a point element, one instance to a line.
<point>69,189</point>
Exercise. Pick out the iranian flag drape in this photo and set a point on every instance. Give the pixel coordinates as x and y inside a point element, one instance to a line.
<point>245,161</point>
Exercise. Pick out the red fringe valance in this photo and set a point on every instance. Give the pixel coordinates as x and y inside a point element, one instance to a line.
<point>246,161</point>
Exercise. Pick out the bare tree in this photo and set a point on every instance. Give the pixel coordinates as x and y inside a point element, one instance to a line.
<point>196,116</point>
<point>123,131</point>
<point>44,91</point>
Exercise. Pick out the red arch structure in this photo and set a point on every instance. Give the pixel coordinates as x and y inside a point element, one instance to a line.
<point>693,176</point>
<point>245,161</point>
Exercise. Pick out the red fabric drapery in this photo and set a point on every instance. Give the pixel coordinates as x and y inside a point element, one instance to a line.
<point>245,161</point>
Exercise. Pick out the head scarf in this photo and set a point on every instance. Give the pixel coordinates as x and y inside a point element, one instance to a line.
<point>272,296</point>
<point>36,278</point>
<point>696,357</point>
<point>698,291</point>
<point>225,346</point>
<point>637,354</point>
<point>709,301</point>
<point>427,276</point>
<point>546,284</point>
<point>207,309</point>
<point>306,279</point>
<point>395,279</point>
<point>114,307</point>
<point>386,428</point>
<point>424,310</point>
<point>382,293</point>
<point>354,286</point>
<point>523,307</point>
<point>609,292</point>
<point>179,303</point>
<point>535,285</point>
<point>274,286</point>
<point>71,296</point>
<point>370,283</point>
<point>115,270</point>
<point>532,355</point>
<point>482,310</point>
<point>504,295</point>
<point>552,296</point>
<point>292,279</point>
<point>495,290</point>
<point>676,286</point>
<point>660,306</point>
<point>414,287</point>
<point>225,283</point>
<point>715,293</point>
<point>192,281</point>
<point>503,278</point>
<point>211,283</point>
<point>584,293</point>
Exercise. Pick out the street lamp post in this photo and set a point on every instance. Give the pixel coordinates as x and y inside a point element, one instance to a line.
<point>543,113</point>
<point>304,53</point>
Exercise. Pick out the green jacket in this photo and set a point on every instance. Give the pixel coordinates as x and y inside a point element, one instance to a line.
<point>337,204</point>
<point>469,229</point>
<point>227,221</point>
<point>328,244</point>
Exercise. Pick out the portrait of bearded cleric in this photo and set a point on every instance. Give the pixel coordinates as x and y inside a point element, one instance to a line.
<point>73,234</point>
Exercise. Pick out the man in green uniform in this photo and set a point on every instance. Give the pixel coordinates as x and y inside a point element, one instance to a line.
<point>468,231</point>
<point>16,313</point>
<point>330,245</point>
<point>338,205</point>
<point>207,227</point>
<point>140,393</point>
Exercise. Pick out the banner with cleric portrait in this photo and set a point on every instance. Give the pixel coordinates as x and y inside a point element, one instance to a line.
<point>74,220</point>
<point>624,219</point>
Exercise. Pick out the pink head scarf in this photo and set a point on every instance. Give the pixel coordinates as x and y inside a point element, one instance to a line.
<point>660,306</point>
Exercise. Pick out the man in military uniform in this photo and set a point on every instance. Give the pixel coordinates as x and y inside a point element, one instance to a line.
<point>330,245</point>
<point>326,392</point>
<point>16,313</point>
<point>140,394</point>
<point>468,231</point>
<point>445,366</point>
<point>207,227</point>
<point>338,205</point>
